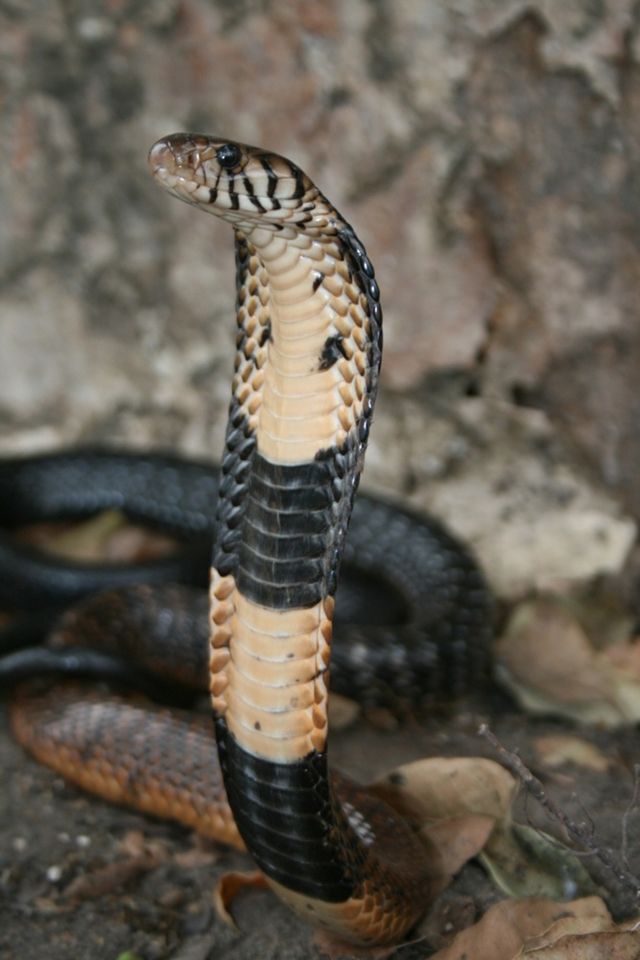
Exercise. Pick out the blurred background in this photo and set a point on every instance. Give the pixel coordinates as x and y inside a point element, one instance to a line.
<point>487,152</point>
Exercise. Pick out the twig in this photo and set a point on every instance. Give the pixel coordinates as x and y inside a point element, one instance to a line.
<point>581,833</point>
<point>588,823</point>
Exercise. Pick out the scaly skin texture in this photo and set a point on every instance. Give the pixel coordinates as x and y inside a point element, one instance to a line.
<point>150,758</point>
<point>309,348</point>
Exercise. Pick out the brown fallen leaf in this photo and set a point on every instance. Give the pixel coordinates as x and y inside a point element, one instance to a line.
<point>556,751</point>
<point>506,927</point>
<point>548,663</point>
<point>445,788</point>
<point>456,842</point>
<point>583,938</point>
<point>228,887</point>
<point>612,945</point>
<point>108,536</point>
<point>85,541</point>
<point>522,862</point>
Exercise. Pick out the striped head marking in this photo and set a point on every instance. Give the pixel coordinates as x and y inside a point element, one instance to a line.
<point>245,185</point>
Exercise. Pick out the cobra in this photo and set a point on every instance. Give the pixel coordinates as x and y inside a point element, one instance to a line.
<point>309,346</point>
<point>309,350</point>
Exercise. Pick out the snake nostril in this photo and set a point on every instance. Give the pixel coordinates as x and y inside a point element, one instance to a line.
<point>158,153</point>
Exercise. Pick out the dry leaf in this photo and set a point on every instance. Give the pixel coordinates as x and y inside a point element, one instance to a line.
<point>522,862</point>
<point>108,536</point>
<point>559,750</point>
<point>505,927</point>
<point>608,945</point>
<point>443,788</point>
<point>457,841</point>
<point>549,665</point>
<point>455,803</point>
<point>228,887</point>
<point>85,541</point>
<point>568,927</point>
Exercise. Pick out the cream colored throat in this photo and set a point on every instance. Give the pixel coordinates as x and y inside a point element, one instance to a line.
<point>304,408</point>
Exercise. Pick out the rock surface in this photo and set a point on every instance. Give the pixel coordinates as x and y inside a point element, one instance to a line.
<point>487,151</point>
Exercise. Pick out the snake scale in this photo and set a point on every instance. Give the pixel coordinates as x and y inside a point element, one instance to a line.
<point>309,344</point>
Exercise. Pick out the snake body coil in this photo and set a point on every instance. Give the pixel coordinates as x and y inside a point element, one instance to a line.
<point>308,354</point>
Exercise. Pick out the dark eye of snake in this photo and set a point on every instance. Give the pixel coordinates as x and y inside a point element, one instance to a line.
<point>228,155</point>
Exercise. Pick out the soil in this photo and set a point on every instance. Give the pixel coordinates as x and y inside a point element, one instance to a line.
<point>145,887</point>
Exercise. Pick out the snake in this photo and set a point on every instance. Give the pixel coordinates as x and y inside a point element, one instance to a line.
<point>308,354</point>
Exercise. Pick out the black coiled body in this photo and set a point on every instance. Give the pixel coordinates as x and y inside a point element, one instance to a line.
<point>413,611</point>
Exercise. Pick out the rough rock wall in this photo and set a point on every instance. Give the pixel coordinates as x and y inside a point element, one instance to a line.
<point>486,151</point>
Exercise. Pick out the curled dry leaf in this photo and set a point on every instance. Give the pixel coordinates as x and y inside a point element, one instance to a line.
<point>611,945</point>
<point>457,841</point>
<point>507,926</point>
<point>548,663</point>
<point>454,803</point>
<point>444,788</point>
<point>462,807</point>
<point>228,887</point>
<point>85,541</point>
<point>108,536</point>
<point>583,938</point>
<point>556,751</point>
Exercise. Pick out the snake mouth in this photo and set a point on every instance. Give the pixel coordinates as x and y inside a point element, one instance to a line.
<point>239,183</point>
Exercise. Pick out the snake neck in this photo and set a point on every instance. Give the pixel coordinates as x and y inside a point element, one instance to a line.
<point>308,355</point>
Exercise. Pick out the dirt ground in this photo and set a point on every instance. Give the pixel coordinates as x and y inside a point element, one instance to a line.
<point>147,887</point>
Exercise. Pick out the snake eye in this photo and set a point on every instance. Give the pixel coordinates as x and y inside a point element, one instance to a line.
<point>228,155</point>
